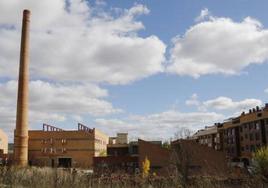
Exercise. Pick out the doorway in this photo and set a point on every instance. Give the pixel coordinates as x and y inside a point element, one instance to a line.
<point>65,162</point>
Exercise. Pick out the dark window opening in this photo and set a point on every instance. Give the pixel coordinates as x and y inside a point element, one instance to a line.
<point>251,137</point>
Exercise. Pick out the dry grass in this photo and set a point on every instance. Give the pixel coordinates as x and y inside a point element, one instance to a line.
<point>60,178</point>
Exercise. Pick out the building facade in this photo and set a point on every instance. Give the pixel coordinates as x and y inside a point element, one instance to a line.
<point>210,137</point>
<point>238,137</point>
<point>66,148</point>
<point>3,142</point>
<point>128,157</point>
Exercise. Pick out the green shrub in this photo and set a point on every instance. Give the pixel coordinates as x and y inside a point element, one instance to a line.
<point>260,158</point>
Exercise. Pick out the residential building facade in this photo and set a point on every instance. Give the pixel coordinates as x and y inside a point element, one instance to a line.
<point>238,137</point>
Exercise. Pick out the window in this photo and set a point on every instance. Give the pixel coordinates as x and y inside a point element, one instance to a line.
<point>241,129</point>
<point>252,148</point>
<point>251,137</point>
<point>257,126</point>
<point>233,131</point>
<point>63,141</point>
<point>241,138</point>
<point>250,126</point>
<point>242,149</point>
<point>259,114</point>
<point>257,136</point>
<point>245,126</point>
<point>246,136</point>
<point>247,147</point>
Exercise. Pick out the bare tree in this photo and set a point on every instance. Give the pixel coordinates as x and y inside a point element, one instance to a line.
<point>183,133</point>
<point>180,156</point>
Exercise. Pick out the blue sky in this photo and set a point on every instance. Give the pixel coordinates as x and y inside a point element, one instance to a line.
<point>144,67</point>
<point>166,20</point>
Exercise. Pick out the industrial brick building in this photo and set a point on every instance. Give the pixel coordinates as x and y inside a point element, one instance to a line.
<point>238,137</point>
<point>3,142</point>
<point>55,147</point>
<point>3,148</point>
<point>128,156</point>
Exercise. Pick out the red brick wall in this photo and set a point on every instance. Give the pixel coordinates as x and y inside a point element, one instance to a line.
<point>158,156</point>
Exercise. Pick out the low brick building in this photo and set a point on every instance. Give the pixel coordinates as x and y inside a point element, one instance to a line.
<point>128,157</point>
<point>158,156</point>
<point>199,159</point>
<point>3,142</point>
<point>55,147</point>
<point>3,148</point>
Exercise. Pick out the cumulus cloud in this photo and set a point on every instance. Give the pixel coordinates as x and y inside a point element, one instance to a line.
<point>45,96</point>
<point>226,104</point>
<point>219,45</point>
<point>203,15</point>
<point>193,101</point>
<point>74,47</point>
<point>161,125</point>
<point>54,102</point>
<point>76,43</point>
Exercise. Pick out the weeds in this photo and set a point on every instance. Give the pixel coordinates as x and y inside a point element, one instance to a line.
<point>65,178</point>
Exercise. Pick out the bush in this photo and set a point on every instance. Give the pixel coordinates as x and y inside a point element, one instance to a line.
<point>260,158</point>
<point>66,178</point>
<point>145,167</point>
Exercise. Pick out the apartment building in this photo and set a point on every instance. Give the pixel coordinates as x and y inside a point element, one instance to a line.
<point>230,134</point>
<point>253,131</point>
<point>238,137</point>
<point>56,147</point>
<point>210,137</point>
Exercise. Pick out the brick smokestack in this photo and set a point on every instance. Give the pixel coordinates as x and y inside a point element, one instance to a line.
<point>21,132</point>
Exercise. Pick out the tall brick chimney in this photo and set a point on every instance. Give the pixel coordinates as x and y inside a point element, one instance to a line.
<point>21,132</point>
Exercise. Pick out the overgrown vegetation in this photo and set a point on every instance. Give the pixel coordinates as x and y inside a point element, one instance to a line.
<point>260,159</point>
<point>63,178</point>
<point>145,167</point>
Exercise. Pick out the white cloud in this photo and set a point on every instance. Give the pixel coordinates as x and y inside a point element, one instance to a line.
<point>225,103</point>
<point>193,101</point>
<point>159,126</point>
<point>54,103</point>
<point>266,90</point>
<point>219,45</point>
<point>76,47</point>
<point>77,43</point>
<point>203,15</point>
<point>44,96</point>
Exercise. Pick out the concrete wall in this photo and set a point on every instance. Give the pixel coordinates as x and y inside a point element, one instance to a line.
<point>3,142</point>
